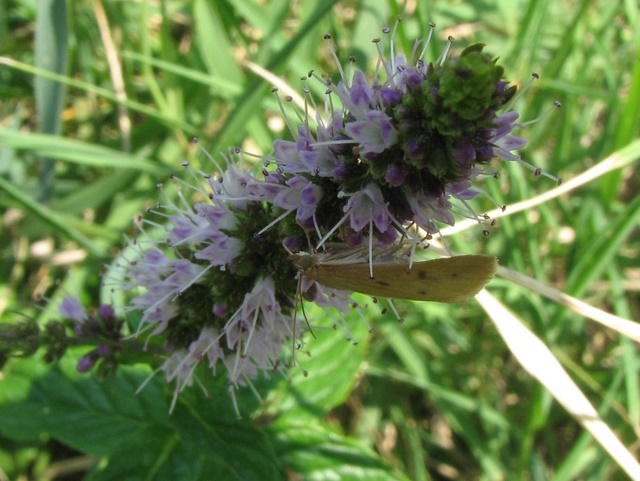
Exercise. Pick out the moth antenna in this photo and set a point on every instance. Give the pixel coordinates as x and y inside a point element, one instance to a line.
<point>295,321</point>
<point>294,360</point>
<point>371,247</point>
<point>304,313</point>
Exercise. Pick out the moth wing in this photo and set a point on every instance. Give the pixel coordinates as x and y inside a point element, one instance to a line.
<point>452,279</point>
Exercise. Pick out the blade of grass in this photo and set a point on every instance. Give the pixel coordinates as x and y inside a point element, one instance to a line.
<point>50,54</point>
<point>603,249</point>
<point>87,87</point>
<point>257,88</point>
<point>55,220</point>
<point>78,152</point>
<point>225,88</point>
<point>538,361</point>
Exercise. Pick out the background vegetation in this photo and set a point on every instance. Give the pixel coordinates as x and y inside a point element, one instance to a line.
<point>439,397</point>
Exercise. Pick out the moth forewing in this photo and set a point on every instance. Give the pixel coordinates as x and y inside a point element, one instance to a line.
<point>451,279</point>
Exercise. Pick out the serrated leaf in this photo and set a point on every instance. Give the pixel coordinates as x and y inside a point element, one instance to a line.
<point>313,451</point>
<point>202,439</point>
<point>89,415</point>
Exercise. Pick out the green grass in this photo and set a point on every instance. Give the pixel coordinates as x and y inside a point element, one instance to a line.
<point>438,397</point>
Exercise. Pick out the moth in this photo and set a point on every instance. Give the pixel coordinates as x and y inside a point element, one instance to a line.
<point>451,279</point>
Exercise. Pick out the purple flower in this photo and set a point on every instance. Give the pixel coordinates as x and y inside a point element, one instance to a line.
<point>501,138</point>
<point>367,206</point>
<point>373,134</point>
<point>72,308</point>
<point>300,195</point>
<point>86,363</point>
<point>210,293</point>
<point>396,174</point>
<point>106,312</point>
<point>401,147</point>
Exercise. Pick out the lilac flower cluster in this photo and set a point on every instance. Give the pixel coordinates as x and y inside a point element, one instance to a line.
<point>100,329</point>
<point>400,149</point>
<point>393,153</point>
<point>219,293</point>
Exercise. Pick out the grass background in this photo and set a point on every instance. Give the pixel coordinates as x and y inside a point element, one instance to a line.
<point>440,397</point>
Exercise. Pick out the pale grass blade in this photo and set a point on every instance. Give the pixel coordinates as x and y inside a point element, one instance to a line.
<point>538,360</point>
<point>621,325</point>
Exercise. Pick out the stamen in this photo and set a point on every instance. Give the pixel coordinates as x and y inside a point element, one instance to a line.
<point>285,117</point>
<point>414,49</point>
<point>350,66</point>
<point>474,216</point>
<point>255,392</point>
<point>443,57</point>
<point>521,91</point>
<point>556,105</point>
<point>332,50</point>
<point>364,319</point>
<point>486,194</point>
<point>153,224</point>
<point>178,180</point>
<point>187,166</point>
<point>276,221</point>
<point>311,99</point>
<point>234,401</point>
<point>146,381</point>
<point>333,229</point>
<point>537,171</point>
<point>252,329</point>
<point>426,45</point>
<point>208,155</point>
<point>393,308</point>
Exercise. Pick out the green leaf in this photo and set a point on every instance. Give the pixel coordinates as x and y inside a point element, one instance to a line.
<point>313,451</point>
<point>332,362</point>
<point>202,439</point>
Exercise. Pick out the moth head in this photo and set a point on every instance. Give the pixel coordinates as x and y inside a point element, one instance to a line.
<point>302,262</point>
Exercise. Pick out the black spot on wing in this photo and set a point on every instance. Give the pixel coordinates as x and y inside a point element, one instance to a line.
<point>383,283</point>
<point>422,275</point>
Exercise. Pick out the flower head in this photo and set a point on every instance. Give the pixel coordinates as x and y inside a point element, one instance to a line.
<point>402,147</point>
<point>217,290</point>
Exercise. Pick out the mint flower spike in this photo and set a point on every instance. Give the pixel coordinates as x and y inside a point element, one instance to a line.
<point>72,325</point>
<point>403,148</point>
<point>212,285</point>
